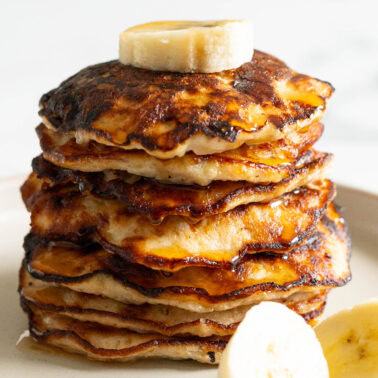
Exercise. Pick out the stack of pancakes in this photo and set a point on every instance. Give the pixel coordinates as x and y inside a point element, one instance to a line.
<point>165,205</point>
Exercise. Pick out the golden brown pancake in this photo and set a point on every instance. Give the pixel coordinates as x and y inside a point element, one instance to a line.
<point>218,240</point>
<point>104,343</point>
<point>168,114</point>
<point>147,318</point>
<point>260,163</point>
<point>157,200</point>
<point>319,264</point>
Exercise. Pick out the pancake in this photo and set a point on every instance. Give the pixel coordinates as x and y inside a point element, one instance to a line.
<point>260,163</point>
<point>157,200</point>
<point>317,265</point>
<point>279,225</point>
<point>168,114</point>
<point>103,343</point>
<point>146,318</point>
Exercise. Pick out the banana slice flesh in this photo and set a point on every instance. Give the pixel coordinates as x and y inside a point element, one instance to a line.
<point>187,46</point>
<point>350,341</point>
<point>273,341</point>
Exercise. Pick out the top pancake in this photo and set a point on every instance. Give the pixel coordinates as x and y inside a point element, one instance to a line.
<point>167,114</point>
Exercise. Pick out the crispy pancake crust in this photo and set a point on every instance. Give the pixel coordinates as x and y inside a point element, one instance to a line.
<point>319,264</point>
<point>146,318</point>
<point>279,225</point>
<point>168,114</point>
<point>104,343</point>
<point>266,162</point>
<point>157,200</point>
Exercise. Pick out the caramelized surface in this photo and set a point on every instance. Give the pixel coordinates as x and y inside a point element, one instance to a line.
<point>157,200</point>
<point>260,163</point>
<point>218,240</point>
<point>168,114</point>
<point>318,264</point>
<point>166,320</point>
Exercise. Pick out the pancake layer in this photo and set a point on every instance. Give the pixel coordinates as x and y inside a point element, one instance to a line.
<point>156,200</point>
<point>260,163</point>
<point>317,265</point>
<point>147,318</point>
<point>278,225</point>
<point>104,343</point>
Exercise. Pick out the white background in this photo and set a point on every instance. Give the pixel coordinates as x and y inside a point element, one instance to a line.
<point>44,42</point>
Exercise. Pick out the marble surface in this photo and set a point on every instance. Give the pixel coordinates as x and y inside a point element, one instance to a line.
<point>43,42</point>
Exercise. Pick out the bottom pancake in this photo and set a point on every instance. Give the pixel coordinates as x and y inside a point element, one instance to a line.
<point>114,344</point>
<point>165,320</point>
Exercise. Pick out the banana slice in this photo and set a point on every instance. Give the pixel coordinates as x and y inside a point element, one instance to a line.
<point>350,341</point>
<point>187,46</point>
<point>273,341</point>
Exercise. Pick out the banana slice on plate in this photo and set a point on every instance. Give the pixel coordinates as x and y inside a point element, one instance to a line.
<point>187,46</point>
<point>350,341</point>
<point>273,341</point>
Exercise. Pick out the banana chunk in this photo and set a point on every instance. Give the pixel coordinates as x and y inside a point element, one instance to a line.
<point>350,341</point>
<point>187,46</point>
<point>273,341</point>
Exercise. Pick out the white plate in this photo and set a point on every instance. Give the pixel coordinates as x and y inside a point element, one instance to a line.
<point>31,360</point>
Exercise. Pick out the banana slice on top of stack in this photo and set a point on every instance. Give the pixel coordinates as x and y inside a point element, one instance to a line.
<point>178,187</point>
<point>187,46</point>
